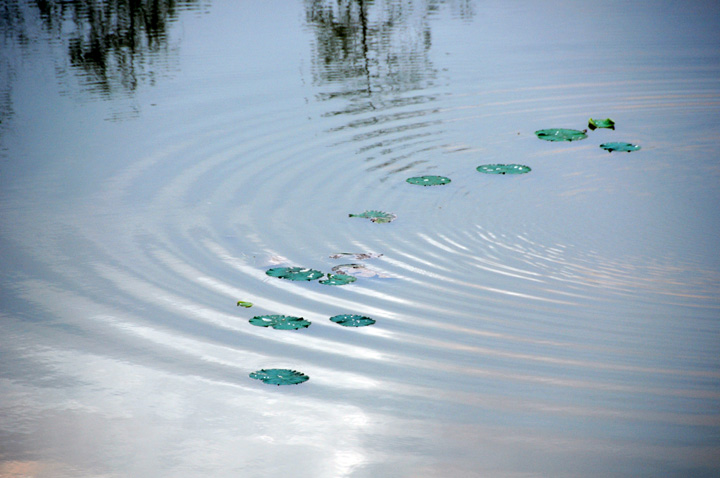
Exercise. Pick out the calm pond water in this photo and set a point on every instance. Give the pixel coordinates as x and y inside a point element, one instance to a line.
<point>157,158</point>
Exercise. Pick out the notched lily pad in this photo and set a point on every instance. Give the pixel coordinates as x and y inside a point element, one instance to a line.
<point>280,322</point>
<point>338,279</point>
<point>429,180</point>
<point>359,256</point>
<point>622,147</point>
<point>504,169</point>
<point>351,320</point>
<point>242,303</point>
<point>598,123</point>
<point>280,376</point>
<point>377,216</point>
<point>560,134</point>
<point>294,273</point>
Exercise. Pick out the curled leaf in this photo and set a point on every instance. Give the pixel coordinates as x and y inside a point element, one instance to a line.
<point>622,147</point>
<point>294,273</point>
<point>280,376</point>
<point>338,279</point>
<point>560,134</point>
<point>605,123</point>
<point>242,303</point>
<point>377,216</point>
<point>350,320</point>
<point>280,322</point>
<point>429,180</point>
<point>503,169</point>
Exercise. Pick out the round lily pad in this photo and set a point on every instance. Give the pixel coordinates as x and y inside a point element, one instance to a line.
<point>429,180</point>
<point>294,273</point>
<point>503,169</point>
<point>622,147</point>
<point>338,279</point>
<point>279,376</point>
<point>377,216</point>
<point>350,320</point>
<point>280,322</point>
<point>560,134</point>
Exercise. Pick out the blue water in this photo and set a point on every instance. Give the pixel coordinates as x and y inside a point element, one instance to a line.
<point>559,323</point>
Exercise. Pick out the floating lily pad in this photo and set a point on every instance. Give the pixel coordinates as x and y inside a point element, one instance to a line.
<point>280,322</point>
<point>338,279</point>
<point>622,147</point>
<point>429,180</point>
<point>350,320</point>
<point>354,255</point>
<point>560,134</point>
<point>280,376</point>
<point>503,169</point>
<point>242,303</point>
<point>376,216</point>
<point>294,273</point>
<point>605,123</point>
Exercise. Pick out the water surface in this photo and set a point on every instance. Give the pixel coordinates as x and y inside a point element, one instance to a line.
<point>157,161</point>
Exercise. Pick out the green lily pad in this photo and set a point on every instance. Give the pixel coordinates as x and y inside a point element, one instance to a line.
<point>605,123</point>
<point>294,273</point>
<point>280,322</point>
<point>359,256</point>
<point>560,134</point>
<point>280,376</point>
<point>504,169</point>
<point>622,147</point>
<point>350,320</point>
<point>377,216</point>
<point>429,180</point>
<point>338,279</point>
<point>242,303</point>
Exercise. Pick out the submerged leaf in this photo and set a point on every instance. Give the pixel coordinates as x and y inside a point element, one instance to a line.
<point>377,216</point>
<point>623,147</point>
<point>350,320</point>
<point>358,256</point>
<point>338,279</point>
<point>294,273</point>
<point>606,123</point>
<point>358,270</point>
<point>428,180</point>
<point>560,134</point>
<point>242,303</point>
<point>280,376</point>
<point>280,322</point>
<point>503,169</point>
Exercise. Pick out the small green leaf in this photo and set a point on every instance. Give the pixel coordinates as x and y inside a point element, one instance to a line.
<point>504,169</point>
<point>350,320</point>
<point>280,376</point>
<point>429,180</point>
<point>622,147</point>
<point>242,303</point>
<point>280,322</point>
<point>377,216</point>
<point>338,279</point>
<point>606,123</point>
<point>560,134</point>
<point>294,273</point>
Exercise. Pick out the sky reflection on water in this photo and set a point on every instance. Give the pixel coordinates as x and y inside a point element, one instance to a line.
<point>159,157</point>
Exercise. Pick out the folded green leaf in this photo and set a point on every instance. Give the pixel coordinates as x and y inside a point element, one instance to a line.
<point>244,304</point>
<point>605,123</point>
<point>280,376</point>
